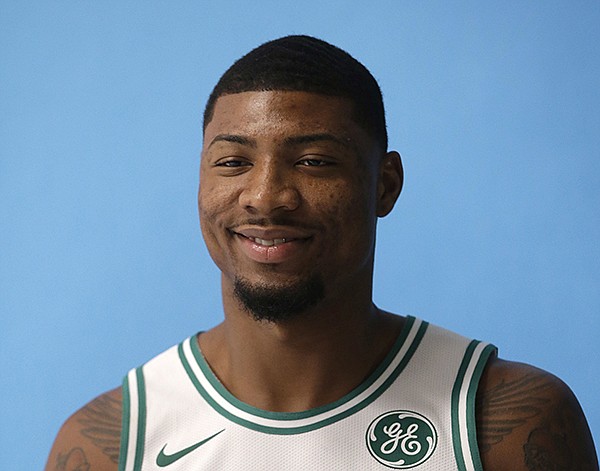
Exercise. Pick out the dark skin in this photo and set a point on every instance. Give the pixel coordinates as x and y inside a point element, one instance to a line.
<point>296,166</point>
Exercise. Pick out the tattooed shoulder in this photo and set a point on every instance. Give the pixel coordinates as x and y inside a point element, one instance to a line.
<point>101,424</point>
<point>73,460</point>
<point>528,419</point>
<point>90,438</point>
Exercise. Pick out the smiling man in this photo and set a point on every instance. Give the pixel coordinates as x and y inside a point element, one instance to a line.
<point>306,372</point>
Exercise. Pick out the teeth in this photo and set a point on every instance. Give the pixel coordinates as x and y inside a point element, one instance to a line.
<point>268,242</point>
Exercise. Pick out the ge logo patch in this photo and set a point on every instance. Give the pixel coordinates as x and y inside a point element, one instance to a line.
<point>401,439</point>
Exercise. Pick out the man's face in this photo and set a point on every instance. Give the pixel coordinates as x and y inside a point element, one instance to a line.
<point>288,194</point>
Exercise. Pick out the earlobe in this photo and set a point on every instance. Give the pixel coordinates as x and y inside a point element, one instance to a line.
<point>391,179</point>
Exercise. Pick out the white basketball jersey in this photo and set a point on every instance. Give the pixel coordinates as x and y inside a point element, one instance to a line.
<point>416,410</point>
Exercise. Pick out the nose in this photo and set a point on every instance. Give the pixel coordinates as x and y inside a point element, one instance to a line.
<point>268,190</point>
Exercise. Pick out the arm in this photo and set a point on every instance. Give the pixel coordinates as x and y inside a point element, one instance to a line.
<point>528,419</point>
<point>89,440</point>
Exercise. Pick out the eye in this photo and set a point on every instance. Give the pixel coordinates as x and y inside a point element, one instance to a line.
<point>231,166</point>
<point>313,162</point>
<point>232,163</point>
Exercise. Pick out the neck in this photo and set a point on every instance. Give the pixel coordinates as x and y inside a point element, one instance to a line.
<point>306,362</point>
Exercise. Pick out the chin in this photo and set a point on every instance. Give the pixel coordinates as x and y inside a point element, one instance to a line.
<point>279,302</point>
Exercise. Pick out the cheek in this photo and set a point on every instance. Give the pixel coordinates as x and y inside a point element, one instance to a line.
<point>210,209</point>
<point>214,198</point>
<point>206,205</point>
<point>330,201</point>
<point>349,203</point>
<point>205,209</point>
<point>349,214</point>
<point>356,212</point>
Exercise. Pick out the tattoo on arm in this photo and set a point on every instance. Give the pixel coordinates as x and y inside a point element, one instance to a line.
<point>509,405</point>
<point>555,434</point>
<point>102,425</point>
<point>546,449</point>
<point>74,460</point>
<point>560,442</point>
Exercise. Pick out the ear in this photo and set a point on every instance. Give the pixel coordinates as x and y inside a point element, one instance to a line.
<point>389,186</point>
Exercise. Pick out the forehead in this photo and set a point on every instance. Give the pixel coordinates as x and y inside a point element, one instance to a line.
<point>279,114</point>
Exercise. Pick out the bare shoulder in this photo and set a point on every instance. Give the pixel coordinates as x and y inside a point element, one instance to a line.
<point>528,419</point>
<point>90,438</point>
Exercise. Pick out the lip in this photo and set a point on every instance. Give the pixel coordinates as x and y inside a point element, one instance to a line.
<point>271,245</point>
<point>271,233</point>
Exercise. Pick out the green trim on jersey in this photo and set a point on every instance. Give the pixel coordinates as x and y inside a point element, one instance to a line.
<point>460,461</point>
<point>488,351</point>
<point>332,412</point>
<point>471,388</point>
<point>210,376</point>
<point>137,387</point>
<point>125,418</point>
<point>141,432</point>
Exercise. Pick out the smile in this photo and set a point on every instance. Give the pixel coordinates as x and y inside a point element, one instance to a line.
<point>271,245</point>
<point>268,242</point>
<point>271,236</point>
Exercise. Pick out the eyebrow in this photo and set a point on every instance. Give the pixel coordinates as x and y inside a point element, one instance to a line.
<point>236,139</point>
<point>290,141</point>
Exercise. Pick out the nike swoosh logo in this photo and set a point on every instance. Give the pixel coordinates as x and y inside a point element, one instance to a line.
<point>163,459</point>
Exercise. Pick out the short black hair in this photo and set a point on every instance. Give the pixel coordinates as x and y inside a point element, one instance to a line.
<point>304,63</point>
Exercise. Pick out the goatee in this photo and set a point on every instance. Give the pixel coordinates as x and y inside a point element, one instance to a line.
<point>279,303</point>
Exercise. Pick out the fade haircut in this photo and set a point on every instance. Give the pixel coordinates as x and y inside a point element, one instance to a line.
<point>307,64</point>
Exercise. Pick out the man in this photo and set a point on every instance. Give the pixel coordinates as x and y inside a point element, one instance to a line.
<point>305,372</point>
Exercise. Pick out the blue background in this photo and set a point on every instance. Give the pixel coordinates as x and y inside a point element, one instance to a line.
<point>494,107</point>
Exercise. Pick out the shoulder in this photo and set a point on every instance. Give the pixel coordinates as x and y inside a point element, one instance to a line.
<point>528,419</point>
<point>90,438</point>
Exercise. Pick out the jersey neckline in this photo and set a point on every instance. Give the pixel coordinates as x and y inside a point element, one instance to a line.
<point>225,403</point>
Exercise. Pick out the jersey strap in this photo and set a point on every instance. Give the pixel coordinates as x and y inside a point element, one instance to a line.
<point>133,427</point>
<point>464,431</point>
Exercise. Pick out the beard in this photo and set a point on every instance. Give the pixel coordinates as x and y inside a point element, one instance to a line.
<point>279,303</point>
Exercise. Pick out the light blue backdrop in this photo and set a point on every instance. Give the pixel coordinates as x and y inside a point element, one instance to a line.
<point>495,107</point>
